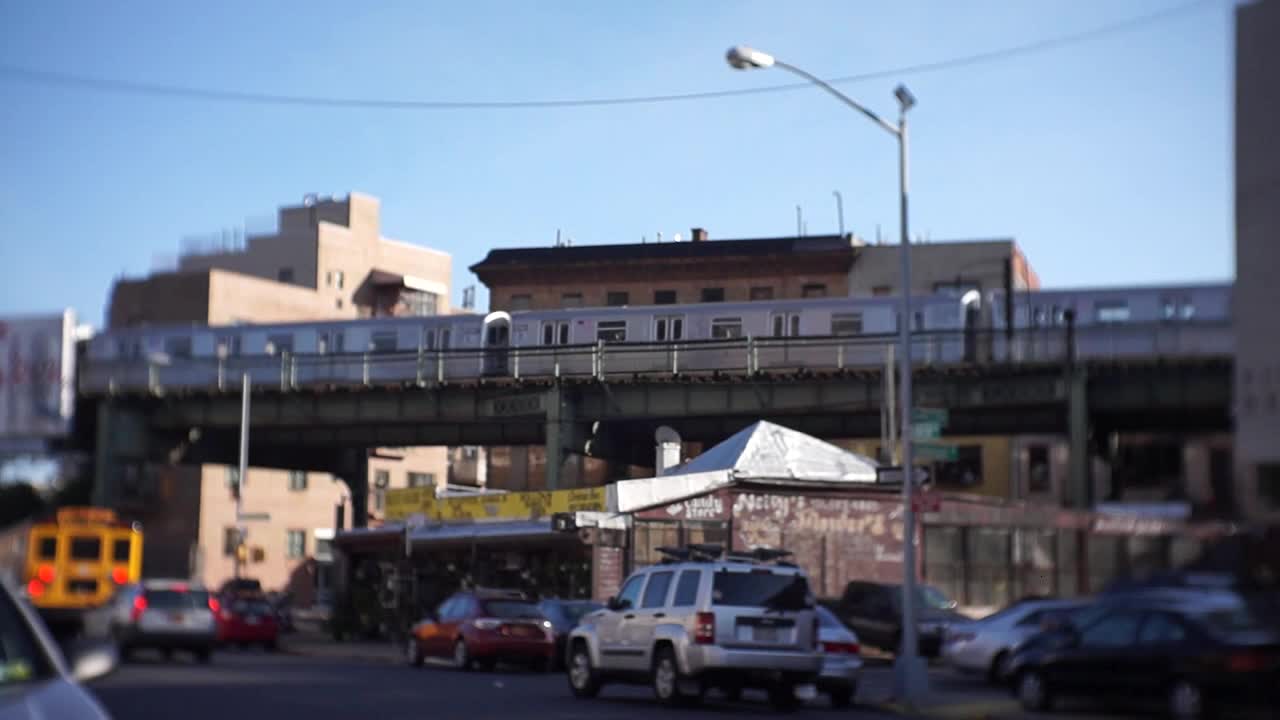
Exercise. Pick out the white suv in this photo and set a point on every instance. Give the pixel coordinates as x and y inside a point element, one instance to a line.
<point>701,620</point>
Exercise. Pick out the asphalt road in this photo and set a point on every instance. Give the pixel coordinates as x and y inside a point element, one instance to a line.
<point>255,685</point>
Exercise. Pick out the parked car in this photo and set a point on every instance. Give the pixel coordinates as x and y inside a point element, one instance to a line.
<point>983,646</point>
<point>702,620</point>
<point>165,615</point>
<point>874,612</point>
<point>246,621</point>
<point>841,661</point>
<point>564,616</point>
<point>35,682</point>
<point>483,628</point>
<point>1199,653</point>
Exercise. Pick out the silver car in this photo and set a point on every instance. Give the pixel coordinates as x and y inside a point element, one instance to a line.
<point>35,682</point>
<point>983,646</point>
<point>841,659</point>
<point>701,620</point>
<point>165,615</point>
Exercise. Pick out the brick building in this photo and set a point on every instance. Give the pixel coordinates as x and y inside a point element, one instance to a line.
<point>327,260</point>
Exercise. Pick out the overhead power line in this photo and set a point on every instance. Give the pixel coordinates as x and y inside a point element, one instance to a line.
<point>86,82</point>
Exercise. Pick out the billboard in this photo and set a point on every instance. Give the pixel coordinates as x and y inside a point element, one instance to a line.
<point>403,503</point>
<point>37,375</point>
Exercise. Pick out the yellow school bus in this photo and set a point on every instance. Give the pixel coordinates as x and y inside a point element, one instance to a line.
<point>77,559</point>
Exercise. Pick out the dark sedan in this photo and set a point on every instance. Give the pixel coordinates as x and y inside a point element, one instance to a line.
<point>1197,655</point>
<point>565,616</point>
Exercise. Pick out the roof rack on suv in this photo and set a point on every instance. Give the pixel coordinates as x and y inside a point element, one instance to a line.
<point>762,554</point>
<point>708,552</point>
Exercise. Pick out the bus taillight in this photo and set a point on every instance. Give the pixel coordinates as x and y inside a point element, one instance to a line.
<point>35,588</point>
<point>120,575</point>
<point>45,574</point>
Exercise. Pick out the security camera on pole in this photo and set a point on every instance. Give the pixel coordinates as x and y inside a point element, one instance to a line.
<point>910,673</point>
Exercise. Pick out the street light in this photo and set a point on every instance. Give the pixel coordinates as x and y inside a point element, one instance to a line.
<point>910,678</point>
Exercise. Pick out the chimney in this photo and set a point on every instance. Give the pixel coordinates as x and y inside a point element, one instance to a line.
<point>698,235</point>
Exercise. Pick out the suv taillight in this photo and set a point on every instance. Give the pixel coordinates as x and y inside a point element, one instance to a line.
<point>704,629</point>
<point>139,607</point>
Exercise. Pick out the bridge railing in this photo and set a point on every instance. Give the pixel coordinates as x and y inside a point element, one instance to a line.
<point>729,356</point>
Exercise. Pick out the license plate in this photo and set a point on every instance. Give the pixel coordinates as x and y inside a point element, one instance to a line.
<point>767,635</point>
<point>253,620</point>
<point>175,617</point>
<point>806,692</point>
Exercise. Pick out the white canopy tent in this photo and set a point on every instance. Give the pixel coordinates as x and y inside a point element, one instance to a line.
<point>762,453</point>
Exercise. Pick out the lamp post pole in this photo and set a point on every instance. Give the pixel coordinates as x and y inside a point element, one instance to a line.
<point>910,674</point>
<point>243,469</point>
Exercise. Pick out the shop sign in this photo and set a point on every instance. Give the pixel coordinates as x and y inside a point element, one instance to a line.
<point>405,502</point>
<point>706,507</point>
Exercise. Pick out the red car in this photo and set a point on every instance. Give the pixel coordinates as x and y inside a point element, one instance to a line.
<point>248,621</point>
<point>481,629</point>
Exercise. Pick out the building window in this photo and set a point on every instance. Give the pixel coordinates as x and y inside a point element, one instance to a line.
<point>882,290</point>
<point>617,298</point>
<point>383,342</point>
<point>419,303</point>
<point>296,544</point>
<point>285,275</point>
<point>520,302</point>
<point>726,328</point>
<point>764,292</point>
<point>338,303</point>
<point>713,294</point>
<point>1111,311</point>
<point>338,278</point>
<point>381,479</point>
<point>1038,473</point>
<point>571,300</point>
<point>664,297</point>
<point>230,539</point>
<point>297,480</point>
<point>846,324</point>
<point>813,290</point>
<point>418,479</point>
<point>379,499</point>
<point>611,331</point>
<point>324,550</point>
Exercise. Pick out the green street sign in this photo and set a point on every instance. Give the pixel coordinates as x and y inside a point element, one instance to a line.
<point>926,430</point>
<point>930,415</point>
<point>930,451</point>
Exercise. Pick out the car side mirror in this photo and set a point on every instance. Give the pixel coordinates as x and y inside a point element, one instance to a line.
<point>92,661</point>
<point>616,604</point>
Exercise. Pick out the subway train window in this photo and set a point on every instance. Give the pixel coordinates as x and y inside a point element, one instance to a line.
<point>611,331</point>
<point>1111,311</point>
<point>725,328</point>
<point>846,324</point>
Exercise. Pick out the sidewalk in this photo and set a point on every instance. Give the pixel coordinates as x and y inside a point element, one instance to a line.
<point>313,642</point>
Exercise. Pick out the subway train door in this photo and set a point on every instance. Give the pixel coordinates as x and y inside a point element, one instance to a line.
<point>497,340</point>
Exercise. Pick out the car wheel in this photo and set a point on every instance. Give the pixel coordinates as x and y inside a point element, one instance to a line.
<point>733,693</point>
<point>204,657</point>
<point>583,680</point>
<point>413,653</point>
<point>1032,691</point>
<point>997,671</point>
<point>666,679</point>
<point>461,657</point>
<point>782,697</point>
<point>1186,702</point>
<point>842,697</point>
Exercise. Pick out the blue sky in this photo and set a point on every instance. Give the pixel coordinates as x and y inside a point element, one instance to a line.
<point>1109,161</point>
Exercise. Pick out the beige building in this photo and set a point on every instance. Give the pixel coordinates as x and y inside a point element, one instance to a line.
<point>1257,295</point>
<point>328,259</point>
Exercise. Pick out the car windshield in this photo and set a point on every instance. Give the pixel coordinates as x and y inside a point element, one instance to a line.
<point>251,607</point>
<point>775,591</point>
<point>927,597</point>
<point>511,609</point>
<point>573,612</point>
<point>21,658</point>
<point>1232,621</point>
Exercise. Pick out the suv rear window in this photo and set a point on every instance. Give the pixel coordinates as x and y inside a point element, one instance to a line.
<point>761,589</point>
<point>176,599</point>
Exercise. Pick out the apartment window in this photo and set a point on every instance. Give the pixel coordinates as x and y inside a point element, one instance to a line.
<point>419,303</point>
<point>712,294</point>
<point>617,298</point>
<point>882,290</point>
<point>664,297</point>
<point>296,544</point>
<point>611,331</point>
<point>764,292</point>
<point>230,539</point>
<point>726,328</point>
<point>338,303</point>
<point>285,275</point>
<point>379,499</point>
<point>178,347</point>
<point>571,300</point>
<point>846,324</point>
<point>381,479</point>
<point>338,278</point>
<point>1111,311</point>
<point>324,550</point>
<point>282,343</point>
<point>813,290</point>
<point>417,479</point>
<point>1038,474</point>
<point>297,480</point>
<point>382,342</point>
<point>520,302</point>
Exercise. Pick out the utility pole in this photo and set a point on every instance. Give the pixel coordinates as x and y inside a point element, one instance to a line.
<point>244,469</point>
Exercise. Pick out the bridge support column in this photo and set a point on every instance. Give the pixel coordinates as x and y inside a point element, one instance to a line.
<point>355,473</point>
<point>1080,485</point>
<point>558,432</point>
<point>119,452</point>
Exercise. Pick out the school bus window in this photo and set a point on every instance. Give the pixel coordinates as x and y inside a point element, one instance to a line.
<point>86,548</point>
<point>120,551</point>
<point>48,547</point>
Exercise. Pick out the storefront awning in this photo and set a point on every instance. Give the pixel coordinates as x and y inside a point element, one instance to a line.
<point>485,532</point>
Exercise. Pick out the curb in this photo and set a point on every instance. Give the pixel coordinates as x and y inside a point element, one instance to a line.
<point>338,655</point>
<point>964,710</point>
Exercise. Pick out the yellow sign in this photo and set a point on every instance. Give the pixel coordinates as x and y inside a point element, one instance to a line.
<point>403,503</point>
